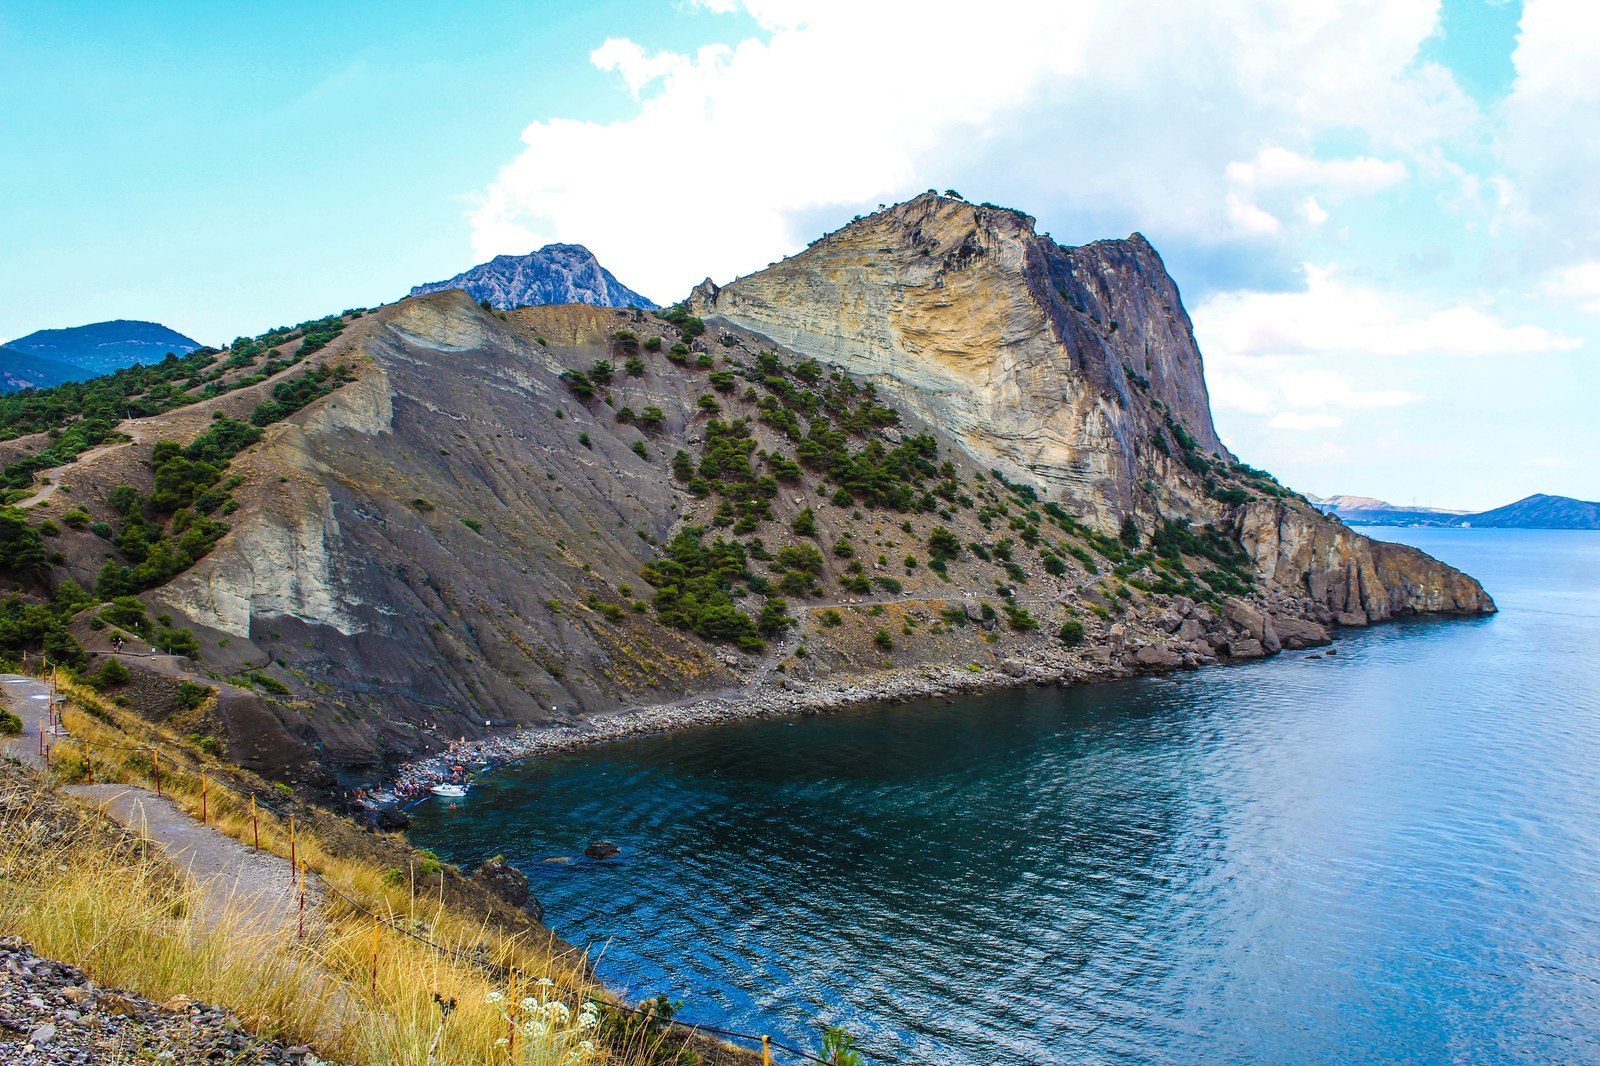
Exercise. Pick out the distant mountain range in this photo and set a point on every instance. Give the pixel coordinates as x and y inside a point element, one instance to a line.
<point>555,274</point>
<point>1538,511</point>
<point>53,356</point>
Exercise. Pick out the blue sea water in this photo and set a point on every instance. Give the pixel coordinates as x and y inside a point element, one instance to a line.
<point>1387,855</point>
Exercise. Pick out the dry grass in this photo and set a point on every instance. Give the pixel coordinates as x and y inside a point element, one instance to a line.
<point>354,988</point>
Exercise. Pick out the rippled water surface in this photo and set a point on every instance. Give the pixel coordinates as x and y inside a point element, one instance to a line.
<point>1390,855</point>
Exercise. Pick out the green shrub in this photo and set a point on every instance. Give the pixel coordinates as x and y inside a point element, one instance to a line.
<point>10,724</point>
<point>883,640</point>
<point>830,618</point>
<point>1019,618</point>
<point>473,524</point>
<point>112,674</point>
<point>1071,633</point>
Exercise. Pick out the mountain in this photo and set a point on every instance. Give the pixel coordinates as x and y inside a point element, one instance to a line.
<point>103,347</point>
<point>555,274</point>
<point>1534,512</point>
<point>19,370</point>
<point>933,452</point>
<point>1537,512</point>
<point>1365,510</point>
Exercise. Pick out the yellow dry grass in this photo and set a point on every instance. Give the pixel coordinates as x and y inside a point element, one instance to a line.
<point>356,989</point>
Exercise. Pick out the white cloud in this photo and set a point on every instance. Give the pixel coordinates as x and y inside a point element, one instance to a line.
<point>1325,388</point>
<point>1334,316</point>
<point>1301,421</point>
<point>1549,145</point>
<point>1579,284</point>
<point>1234,392</point>
<point>639,68</point>
<point>1132,109</point>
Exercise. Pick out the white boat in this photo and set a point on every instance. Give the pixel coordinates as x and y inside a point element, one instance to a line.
<point>449,791</point>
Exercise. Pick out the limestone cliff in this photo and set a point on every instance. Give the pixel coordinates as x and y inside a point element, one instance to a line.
<point>1073,369</point>
<point>1033,355</point>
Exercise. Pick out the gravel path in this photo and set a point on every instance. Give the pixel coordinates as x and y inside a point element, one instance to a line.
<point>229,874</point>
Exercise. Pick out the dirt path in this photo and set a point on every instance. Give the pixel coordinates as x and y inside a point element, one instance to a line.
<point>230,875</point>
<point>53,475</point>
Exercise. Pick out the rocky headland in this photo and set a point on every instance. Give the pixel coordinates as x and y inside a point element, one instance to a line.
<point>934,451</point>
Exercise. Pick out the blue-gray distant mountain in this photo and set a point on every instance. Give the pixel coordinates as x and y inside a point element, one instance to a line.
<point>19,370</point>
<point>104,347</point>
<point>1538,511</point>
<point>555,274</point>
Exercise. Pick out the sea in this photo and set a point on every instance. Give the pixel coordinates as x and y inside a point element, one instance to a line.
<point>1385,854</point>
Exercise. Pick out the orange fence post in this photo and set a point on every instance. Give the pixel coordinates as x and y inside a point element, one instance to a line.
<point>766,1051</point>
<point>155,761</point>
<point>88,762</point>
<point>302,935</point>
<point>511,1017</point>
<point>205,783</point>
<point>255,826</point>
<point>374,958</point>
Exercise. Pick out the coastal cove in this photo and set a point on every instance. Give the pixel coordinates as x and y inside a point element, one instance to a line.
<point>1388,853</point>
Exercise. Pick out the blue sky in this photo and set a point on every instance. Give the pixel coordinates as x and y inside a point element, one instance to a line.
<point>1380,212</point>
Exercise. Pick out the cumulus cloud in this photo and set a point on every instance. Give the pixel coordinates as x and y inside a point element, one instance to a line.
<point>1192,122</point>
<point>1334,316</point>
<point>1280,177</point>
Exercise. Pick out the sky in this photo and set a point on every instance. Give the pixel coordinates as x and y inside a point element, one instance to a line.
<point>1381,213</point>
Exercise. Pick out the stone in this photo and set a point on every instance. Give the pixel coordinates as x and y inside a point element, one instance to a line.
<point>1245,618</point>
<point>112,1003</point>
<point>390,819</point>
<point>1189,630</point>
<point>602,849</point>
<point>1157,657</point>
<point>43,1035</point>
<point>1245,649</point>
<point>1296,633</point>
<point>179,1004</point>
<point>1014,667</point>
<point>510,884</point>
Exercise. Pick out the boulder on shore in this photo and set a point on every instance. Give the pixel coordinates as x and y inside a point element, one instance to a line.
<point>510,884</point>
<point>602,849</point>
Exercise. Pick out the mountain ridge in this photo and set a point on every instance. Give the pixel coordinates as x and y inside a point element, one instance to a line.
<point>103,347</point>
<point>553,274</point>
<point>1537,511</point>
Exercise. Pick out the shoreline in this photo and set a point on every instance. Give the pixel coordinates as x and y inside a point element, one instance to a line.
<point>758,701</point>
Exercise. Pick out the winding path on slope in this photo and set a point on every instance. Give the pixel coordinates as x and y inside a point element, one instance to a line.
<point>52,476</point>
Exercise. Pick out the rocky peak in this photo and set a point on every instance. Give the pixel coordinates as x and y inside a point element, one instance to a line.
<point>1059,366</point>
<point>555,274</point>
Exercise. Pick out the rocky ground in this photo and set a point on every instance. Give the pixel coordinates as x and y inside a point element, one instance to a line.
<point>51,1013</point>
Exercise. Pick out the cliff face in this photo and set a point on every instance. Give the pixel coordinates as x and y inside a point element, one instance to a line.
<point>1074,369</point>
<point>555,274</point>
<point>1031,354</point>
